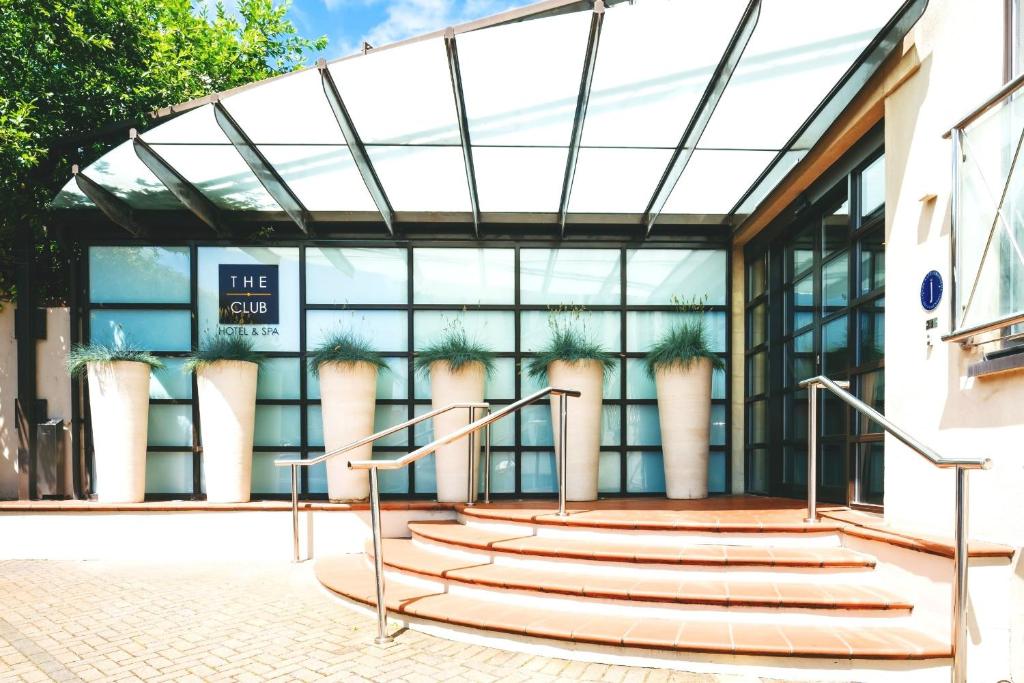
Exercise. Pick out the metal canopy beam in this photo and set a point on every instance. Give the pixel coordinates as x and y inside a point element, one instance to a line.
<point>112,206</point>
<point>460,106</point>
<point>187,193</point>
<point>582,100</point>
<point>268,176</point>
<point>702,115</point>
<point>356,147</point>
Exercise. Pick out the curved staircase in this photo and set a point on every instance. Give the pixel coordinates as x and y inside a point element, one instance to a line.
<point>766,595</point>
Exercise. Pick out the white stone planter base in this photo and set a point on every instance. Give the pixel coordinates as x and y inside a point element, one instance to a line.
<point>684,411</point>
<point>451,461</point>
<point>119,406</point>
<point>227,414</point>
<point>348,393</point>
<point>583,437</point>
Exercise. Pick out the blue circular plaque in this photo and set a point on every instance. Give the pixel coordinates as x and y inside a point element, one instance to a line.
<point>931,290</point>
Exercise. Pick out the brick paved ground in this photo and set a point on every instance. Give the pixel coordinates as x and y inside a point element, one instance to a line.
<point>117,621</point>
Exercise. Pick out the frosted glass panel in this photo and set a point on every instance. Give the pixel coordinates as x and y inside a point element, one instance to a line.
<point>170,425</point>
<point>422,178</point>
<point>277,426</point>
<point>636,173</point>
<point>503,472</point>
<point>393,481</point>
<point>384,416</point>
<point>645,472</point>
<point>493,329</point>
<point>464,276</point>
<point>500,384</point>
<point>169,473</point>
<point>642,426</point>
<point>655,60</point>
<point>280,336</point>
<point>384,330</point>
<point>150,330</point>
<point>316,480</point>
<point>716,472</point>
<point>655,276</point>
<point>521,80</point>
<point>170,381</point>
<point>535,425</point>
<point>324,178</point>
<point>800,49</point>
<point>644,328</point>
<point>609,473</point>
<point>402,96</point>
<point>717,433</point>
<point>611,426</point>
<point>425,470</point>
<point>356,276</point>
<point>267,477</point>
<point>539,472</point>
<point>122,172</point>
<point>714,180</point>
<point>220,174</point>
<point>288,110</point>
<point>569,276</point>
<point>391,383</point>
<point>518,179</point>
<point>279,378</point>
<point>156,275</point>
<point>599,326</point>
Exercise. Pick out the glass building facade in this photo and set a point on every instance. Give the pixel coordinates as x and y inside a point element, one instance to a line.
<point>400,297</point>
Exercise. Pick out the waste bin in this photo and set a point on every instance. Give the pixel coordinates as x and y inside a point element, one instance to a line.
<point>51,468</point>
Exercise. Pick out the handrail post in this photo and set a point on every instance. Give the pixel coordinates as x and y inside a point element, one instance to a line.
<point>487,461</point>
<point>471,444</point>
<point>562,459</point>
<point>961,557</point>
<point>295,513</point>
<point>812,453</point>
<point>378,561</point>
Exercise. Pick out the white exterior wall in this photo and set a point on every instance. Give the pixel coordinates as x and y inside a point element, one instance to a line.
<point>8,391</point>
<point>960,48</point>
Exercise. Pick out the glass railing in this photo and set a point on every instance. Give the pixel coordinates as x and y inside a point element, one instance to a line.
<point>988,218</point>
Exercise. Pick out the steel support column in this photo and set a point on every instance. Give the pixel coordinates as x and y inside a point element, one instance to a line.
<point>112,206</point>
<point>582,100</point>
<point>702,115</point>
<point>460,107</point>
<point>264,171</point>
<point>356,147</point>
<point>187,193</point>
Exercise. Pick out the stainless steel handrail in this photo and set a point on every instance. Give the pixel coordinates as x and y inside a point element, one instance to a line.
<point>962,465</point>
<point>294,463</point>
<point>470,430</point>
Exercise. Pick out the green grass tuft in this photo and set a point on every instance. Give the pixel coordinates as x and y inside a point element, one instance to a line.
<point>681,346</point>
<point>572,346</point>
<point>81,355</point>
<point>344,347</point>
<point>457,349</point>
<point>222,347</point>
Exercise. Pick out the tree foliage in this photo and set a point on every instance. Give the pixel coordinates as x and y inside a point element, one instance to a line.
<point>77,74</point>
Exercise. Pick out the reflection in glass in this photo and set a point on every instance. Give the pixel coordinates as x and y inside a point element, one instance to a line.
<point>758,422</point>
<point>170,425</point>
<point>539,472</point>
<point>356,276</point>
<point>569,276</point>
<point>872,392</point>
<point>655,276</point>
<point>796,416</point>
<point>872,187</point>
<point>758,463</point>
<point>758,373</point>
<point>463,276</point>
<point>758,324</point>
<point>872,336</point>
<point>794,470</point>
<point>609,473</point>
<point>871,473</point>
<point>832,414</point>
<point>835,229</point>
<point>835,279</point>
<point>832,468</point>
<point>645,472</point>
<point>169,472</point>
<point>834,345</point>
<point>757,281</point>
<point>171,381</point>
<point>717,482</point>
<point>800,253</point>
<point>267,477</point>
<point>800,303</point>
<point>151,330</point>
<point>139,274</point>
<point>872,262</point>
<point>800,352</point>
<point>277,426</point>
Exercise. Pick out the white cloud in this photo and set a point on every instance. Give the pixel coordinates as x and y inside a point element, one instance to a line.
<point>407,18</point>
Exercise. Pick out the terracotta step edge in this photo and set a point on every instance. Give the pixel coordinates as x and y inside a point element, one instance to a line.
<point>910,542</point>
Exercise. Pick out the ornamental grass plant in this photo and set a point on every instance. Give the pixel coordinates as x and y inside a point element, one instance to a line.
<point>344,347</point>
<point>569,342</point>
<point>680,347</point>
<point>82,355</point>
<point>222,347</point>
<point>456,348</point>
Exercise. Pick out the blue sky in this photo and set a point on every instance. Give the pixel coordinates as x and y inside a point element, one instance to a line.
<point>347,23</point>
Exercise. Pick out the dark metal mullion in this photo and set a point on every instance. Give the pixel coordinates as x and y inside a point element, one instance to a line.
<point>89,487</point>
<point>113,207</point>
<point>582,101</point>
<point>74,301</point>
<point>728,361</point>
<point>410,331</point>
<point>702,114</point>
<point>303,375</point>
<point>463,119</point>
<point>517,456</point>
<point>356,147</point>
<point>264,171</point>
<point>197,449</point>
<point>187,193</point>
<point>623,421</point>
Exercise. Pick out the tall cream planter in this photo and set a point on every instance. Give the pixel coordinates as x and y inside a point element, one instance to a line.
<point>119,405</point>
<point>684,410</point>
<point>583,436</point>
<point>451,461</point>
<point>227,413</point>
<point>348,393</point>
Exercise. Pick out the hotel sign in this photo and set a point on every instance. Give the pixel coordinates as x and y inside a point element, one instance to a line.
<point>248,294</point>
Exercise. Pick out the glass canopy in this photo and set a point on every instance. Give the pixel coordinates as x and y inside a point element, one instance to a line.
<point>550,114</point>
